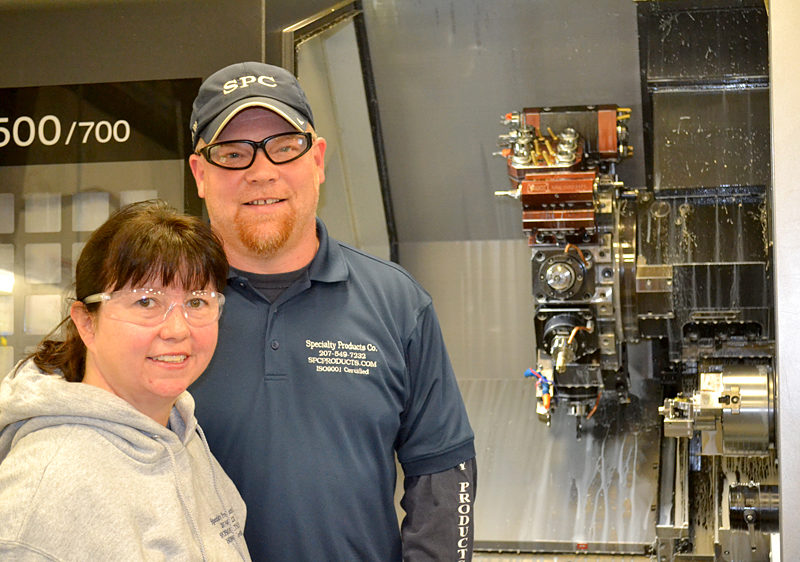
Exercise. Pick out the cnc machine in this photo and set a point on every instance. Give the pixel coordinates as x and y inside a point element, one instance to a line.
<point>681,267</point>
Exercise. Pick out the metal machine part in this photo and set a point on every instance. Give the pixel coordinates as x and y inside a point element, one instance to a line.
<point>683,264</point>
<point>754,507</point>
<point>703,271</point>
<point>561,163</point>
<point>733,410</point>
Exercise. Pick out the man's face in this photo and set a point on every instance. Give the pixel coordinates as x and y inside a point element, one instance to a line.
<point>266,213</point>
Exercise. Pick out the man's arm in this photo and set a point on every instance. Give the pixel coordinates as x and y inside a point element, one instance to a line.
<point>439,522</point>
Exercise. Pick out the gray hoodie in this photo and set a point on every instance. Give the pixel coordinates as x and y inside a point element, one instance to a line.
<point>86,476</point>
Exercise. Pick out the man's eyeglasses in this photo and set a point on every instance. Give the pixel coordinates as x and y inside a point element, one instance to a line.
<point>240,154</point>
<point>150,307</point>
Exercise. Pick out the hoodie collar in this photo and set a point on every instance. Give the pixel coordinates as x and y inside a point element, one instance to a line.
<point>31,399</point>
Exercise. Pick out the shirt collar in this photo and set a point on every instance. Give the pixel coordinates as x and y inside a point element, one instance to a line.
<point>329,265</point>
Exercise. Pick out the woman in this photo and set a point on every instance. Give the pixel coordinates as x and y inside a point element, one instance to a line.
<point>101,457</point>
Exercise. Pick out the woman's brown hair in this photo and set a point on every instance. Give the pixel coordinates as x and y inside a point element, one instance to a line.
<point>140,243</point>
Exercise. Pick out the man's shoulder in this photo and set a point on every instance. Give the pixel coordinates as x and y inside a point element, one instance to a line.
<point>361,258</point>
<point>383,273</point>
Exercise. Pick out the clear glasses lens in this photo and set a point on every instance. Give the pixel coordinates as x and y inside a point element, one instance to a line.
<point>149,307</point>
<point>231,154</point>
<point>284,148</point>
<point>238,155</point>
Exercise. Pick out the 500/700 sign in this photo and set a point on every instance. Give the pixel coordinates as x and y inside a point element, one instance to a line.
<point>24,131</point>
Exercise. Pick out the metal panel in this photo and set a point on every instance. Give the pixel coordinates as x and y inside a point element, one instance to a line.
<point>447,71</point>
<point>350,199</point>
<point>542,489</point>
<point>482,294</point>
<point>711,138</point>
<point>784,46</point>
<point>685,44</point>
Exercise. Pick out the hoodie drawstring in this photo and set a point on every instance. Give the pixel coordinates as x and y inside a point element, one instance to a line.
<point>209,457</point>
<point>192,522</point>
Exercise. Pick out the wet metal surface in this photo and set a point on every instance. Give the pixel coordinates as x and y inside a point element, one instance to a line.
<point>542,488</point>
<point>711,138</point>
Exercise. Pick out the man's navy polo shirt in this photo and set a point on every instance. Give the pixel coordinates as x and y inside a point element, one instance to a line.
<point>307,399</point>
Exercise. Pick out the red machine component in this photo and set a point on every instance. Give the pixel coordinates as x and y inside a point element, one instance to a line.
<point>558,202</point>
<point>555,169</point>
<point>598,123</point>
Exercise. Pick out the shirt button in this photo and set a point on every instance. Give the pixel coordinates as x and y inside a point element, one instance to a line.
<point>274,344</point>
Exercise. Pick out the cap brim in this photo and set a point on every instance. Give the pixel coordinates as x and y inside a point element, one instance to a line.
<point>215,127</point>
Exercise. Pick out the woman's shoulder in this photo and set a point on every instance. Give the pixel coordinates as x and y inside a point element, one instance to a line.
<point>45,470</point>
<point>42,454</point>
<point>57,459</point>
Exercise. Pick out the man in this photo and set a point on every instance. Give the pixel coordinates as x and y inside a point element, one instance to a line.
<point>329,361</point>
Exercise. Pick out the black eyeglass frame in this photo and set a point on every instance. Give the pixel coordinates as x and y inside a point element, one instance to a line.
<point>262,144</point>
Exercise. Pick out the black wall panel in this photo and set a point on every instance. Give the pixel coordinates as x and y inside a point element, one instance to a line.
<point>58,42</point>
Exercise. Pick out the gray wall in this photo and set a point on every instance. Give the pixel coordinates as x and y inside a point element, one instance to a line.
<point>784,46</point>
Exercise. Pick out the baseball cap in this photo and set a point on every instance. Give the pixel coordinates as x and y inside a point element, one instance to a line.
<point>240,86</point>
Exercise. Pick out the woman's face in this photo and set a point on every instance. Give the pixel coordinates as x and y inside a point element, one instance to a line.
<point>148,366</point>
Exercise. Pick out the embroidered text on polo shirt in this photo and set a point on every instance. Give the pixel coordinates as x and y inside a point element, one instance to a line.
<point>342,357</point>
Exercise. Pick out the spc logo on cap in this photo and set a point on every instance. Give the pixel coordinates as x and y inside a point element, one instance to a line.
<point>249,84</point>
<point>245,81</point>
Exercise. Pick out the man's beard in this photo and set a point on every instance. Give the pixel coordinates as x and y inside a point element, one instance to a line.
<point>265,239</point>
